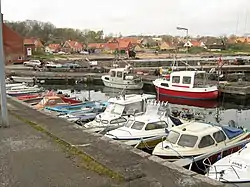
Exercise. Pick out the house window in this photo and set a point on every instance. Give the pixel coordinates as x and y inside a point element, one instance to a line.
<point>219,136</point>
<point>156,125</point>
<point>176,79</point>
<point>186,80</point>
<point>112,73</point>
<point>206,141</point>
<point>119,74</point>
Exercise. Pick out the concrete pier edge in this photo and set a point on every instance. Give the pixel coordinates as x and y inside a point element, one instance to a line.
<point>181,176</point>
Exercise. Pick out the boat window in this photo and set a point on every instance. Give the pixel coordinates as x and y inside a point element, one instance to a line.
<point>156,125</point>
<point>129,123</point>
<point>112,73</point>
<point>119,120</point>
<point>219,136</point>
<point>164,84</point>
<point>206,141</point>
<point>117,109</point>
<point>137,125</point>
<point>136,107</point>
<point>186,80</point>
<point>176,79</point>
<point>106,78</point>
<point>187,140</point>
<point>119,74</point>
<point>173,136</point>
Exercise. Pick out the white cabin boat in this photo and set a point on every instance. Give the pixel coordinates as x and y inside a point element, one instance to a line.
<point>22,79</point>
<point>147,130</point>
<point>233,169</point>
<point>123,79</point>
<point>186,85</point>
<point>194,138</point>
<point>118,110</point>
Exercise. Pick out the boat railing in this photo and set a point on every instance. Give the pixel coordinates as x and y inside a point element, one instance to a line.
<point>190,160</point>
<point>221,173</point>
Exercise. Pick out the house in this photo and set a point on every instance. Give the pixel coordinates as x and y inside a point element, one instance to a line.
<point>133,40</point>
<point>139,48</point>
<point>215,44</point>
<point>194,43</point>
<point>96,47</point>
<point>111,47</point>
<point>167,46</point>
<point>117,45</point>
<point>245,40</point>
<point>53,48</point>
<point>32,45</point>
<point>149,42</point>
<point>71,46</point>
<point>13,45</point>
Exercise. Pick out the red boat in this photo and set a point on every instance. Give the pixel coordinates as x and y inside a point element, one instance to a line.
<point>186,85</point>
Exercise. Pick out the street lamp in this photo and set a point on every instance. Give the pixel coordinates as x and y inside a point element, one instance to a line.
<point>182,28</point>
<point>4,111</point>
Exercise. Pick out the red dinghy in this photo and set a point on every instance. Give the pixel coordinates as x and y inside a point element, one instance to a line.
<point>186,85</point>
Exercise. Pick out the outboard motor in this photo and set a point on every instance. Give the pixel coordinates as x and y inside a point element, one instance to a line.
<point>175,113</point>
<point>232,123</point>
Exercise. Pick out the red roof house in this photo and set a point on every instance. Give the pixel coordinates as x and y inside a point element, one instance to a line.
<point>71,46</point>
<point>13,45</point>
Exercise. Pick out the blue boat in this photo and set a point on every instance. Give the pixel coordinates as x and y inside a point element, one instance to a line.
<point>88,106</point>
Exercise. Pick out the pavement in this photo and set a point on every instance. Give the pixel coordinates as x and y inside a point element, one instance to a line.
<point>42,150</point>
<point>31,159</point>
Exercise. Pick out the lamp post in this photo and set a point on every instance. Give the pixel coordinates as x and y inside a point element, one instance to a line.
<point>185,29</point>
<point>4,111</point>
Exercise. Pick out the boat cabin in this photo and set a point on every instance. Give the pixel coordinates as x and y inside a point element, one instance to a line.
<point>201,135</point>
<point>119,74</point>
<point>187,79</point>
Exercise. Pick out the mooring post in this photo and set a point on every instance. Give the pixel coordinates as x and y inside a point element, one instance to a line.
<point>4,111</point>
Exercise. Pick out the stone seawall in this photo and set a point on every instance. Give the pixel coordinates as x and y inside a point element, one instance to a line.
<point>129,166</point>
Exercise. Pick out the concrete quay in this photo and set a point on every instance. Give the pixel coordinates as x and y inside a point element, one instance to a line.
<point>115,163</point>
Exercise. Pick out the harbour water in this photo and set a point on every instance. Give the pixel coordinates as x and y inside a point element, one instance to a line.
<point>214,111</point>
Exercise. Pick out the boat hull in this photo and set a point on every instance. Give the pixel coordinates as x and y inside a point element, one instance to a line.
<point>208,95</point>
<point>123,85</point>
<point>23,79</point>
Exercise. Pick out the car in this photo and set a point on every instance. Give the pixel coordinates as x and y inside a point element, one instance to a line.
<point>84,52</point>
<point>61,53</point>
<point>32,63</point>
<point>52,65</point>
<point>71,65</point>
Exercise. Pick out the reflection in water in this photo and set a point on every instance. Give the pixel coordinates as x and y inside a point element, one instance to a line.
<point>215,112</point>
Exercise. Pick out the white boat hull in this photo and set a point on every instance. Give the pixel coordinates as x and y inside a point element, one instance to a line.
<point>22,79</point>
<point>130,85</point>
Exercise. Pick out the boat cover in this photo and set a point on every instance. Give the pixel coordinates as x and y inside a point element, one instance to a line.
<point>232,132</point>
<point>175,121</point>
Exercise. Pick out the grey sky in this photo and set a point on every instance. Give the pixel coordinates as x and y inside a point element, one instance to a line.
<point>201,17</point>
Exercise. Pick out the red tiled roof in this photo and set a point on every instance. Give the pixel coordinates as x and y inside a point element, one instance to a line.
<point>29,41</point>
<point>111,46</point>
<point>75,44</point>
<point>96,45</point>
<point>124,45</point>
<point>195,43</point>
<point>132,40</point>
<point>54,46</point>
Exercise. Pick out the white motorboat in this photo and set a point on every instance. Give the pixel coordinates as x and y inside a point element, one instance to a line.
<point>9,86</point>
<point>123,79</point>
<point>23,90</point>
<point>233,169</point>
<point>147,130</point>
<point>22,79</point>
<point>195,138</point>
<point>118,110</point>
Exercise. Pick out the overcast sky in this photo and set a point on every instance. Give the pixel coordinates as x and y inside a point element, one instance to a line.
<point>201,17</point>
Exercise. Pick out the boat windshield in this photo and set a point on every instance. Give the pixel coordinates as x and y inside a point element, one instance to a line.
<point>187,140</point>
<point>173,136</point>
<point>129,123</point>
<point>116,109</point>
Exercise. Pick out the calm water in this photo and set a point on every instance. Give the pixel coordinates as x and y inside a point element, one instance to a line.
<point>221,112</point>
